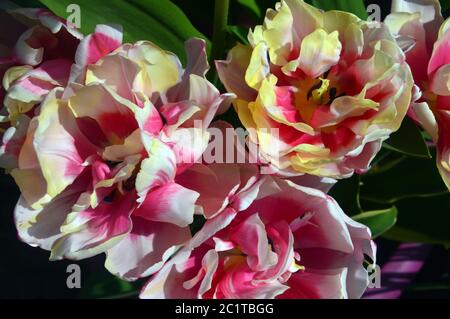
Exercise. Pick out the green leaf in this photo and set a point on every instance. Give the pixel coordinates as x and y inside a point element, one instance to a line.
<point>252,5</point>
<point>379,221</point>
<point>356,7</point>
<point>159,21</point>
<point>346,193</point>
<point>445,4</point>
<point>104,285</point>
<point>239,33</point>
<point>408,140</point>
<point>201,19</point>
<point>402,178</point>
<point>250,11</point>
<point>422,220</point>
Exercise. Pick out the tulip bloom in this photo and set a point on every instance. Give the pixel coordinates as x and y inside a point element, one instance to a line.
<point>429,58</point>
<point>99,164</point>
<point>265,238</point>
<point>323,90</point>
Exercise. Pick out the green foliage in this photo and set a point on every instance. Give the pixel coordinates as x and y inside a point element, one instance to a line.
<point>104,285</point>
<point>346,193</point>
<point>415,187</point>
<point>408,140</point>
<point>259,7</point>
<point>253,6</point>
<point>379,221</point>
<point>356,7</point>
<point>238,33</point>
<point>445,4</point>
<point>402,178</point>
<point>425,220</point>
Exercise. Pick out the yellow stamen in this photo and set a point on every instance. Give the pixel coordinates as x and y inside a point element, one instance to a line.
<point>318,94</point>
<point>298,267</point>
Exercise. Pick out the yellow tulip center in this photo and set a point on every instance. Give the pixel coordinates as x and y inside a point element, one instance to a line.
<point>318,94</point>
<point>312,93</point>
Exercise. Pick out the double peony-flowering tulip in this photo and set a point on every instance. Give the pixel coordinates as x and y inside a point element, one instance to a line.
<point>270,238</point>
<point>99,161</point>
<point>321,90</point>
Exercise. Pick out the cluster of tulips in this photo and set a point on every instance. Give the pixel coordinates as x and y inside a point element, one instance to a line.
<point>105,141</point>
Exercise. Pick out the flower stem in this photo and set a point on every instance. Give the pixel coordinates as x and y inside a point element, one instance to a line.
<point>219,33</point>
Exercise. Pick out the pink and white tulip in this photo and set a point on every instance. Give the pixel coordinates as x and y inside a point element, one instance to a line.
<point>99,166</point>
<point>321,90</point>
<point>265,238</point>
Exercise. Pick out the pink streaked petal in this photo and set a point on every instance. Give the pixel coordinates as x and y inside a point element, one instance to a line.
<point>132,145</point>
<point>430,15</point>
<point>440,56</point>
<point>341,138</point>
<point>91,231</point>
<point>232,72</point>
<point>197,65</point>
<point>286,103</point>
<point>423,115</point>
<point>56,148</point>
<point>283,245</point>
<point>28,175</point>
<point>34,85</point>
<point>223,245</point>
<point>168,282</point>
<point>322,183</point>
<point>196,56</point>
<point>239,283</point>
<point>309,285</point>
<point>440,82</point>
<point>33,53</point>
<point>169,203</point>
<point>41,227</point>
<point>215,183</point>
<point>361,161</point>
<point>144,250</point>
<point>177,113</point>
<point>93,47</point>
<point>109,111</point>
<point>149,119</point>
<point>212,227</point>
<point>156,170</point>
<point>204,278</point>
<point>252,239</point>
<point>326,236</point>
<point>204,94</point>
<point>104,40</point>
<point>116,71</point>
<point>443,145</point>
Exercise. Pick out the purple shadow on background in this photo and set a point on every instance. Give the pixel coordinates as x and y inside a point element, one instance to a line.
<point>399,271</point>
